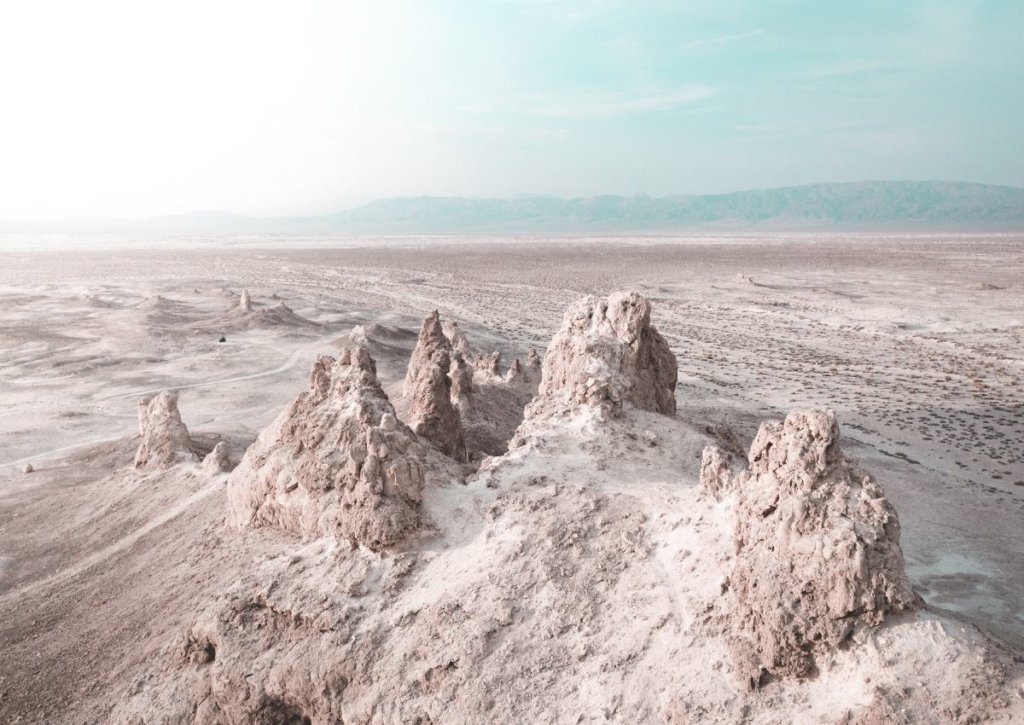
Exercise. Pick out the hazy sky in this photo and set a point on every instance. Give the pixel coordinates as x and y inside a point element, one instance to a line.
<point>136,107</point>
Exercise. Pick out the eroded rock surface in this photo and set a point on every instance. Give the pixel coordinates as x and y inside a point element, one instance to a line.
<point>607,353</point>
<point>456,337</point>
<point>516,373</point>
<point>217,460</point>
<point>245,302</point>
<point>335,462</point>
<point>429,389</point>
<point>165,439</point>
<point>489,365</point>
<point>533,364</point>
<point>817,548</point>
<point>461,376</point>
<point>718,472</point>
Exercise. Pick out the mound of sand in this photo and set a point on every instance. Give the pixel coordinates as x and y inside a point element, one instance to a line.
<point>335,462</point>
<point>246,314</point>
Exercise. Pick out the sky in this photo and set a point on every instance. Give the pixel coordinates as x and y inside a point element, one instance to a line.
<point>134,108</point>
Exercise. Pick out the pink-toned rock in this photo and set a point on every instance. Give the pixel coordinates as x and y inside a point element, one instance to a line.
<point>489,365</point>
<point>429,390</point>
<point>456,337</point>
<point>217,460</point>
<point>533,363</point>
<point>461,375</point>
<point>336,462</point>
<point>245,302</point>
<point>516,373</point>
<point>818,552</point>
<point>607,353</point>
<point>717,472</point>
<point>165,440</point>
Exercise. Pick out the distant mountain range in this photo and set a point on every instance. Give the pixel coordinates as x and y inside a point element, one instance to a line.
<point>868,205</point>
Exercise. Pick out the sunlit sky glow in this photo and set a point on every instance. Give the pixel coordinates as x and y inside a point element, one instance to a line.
<point>130,108</point>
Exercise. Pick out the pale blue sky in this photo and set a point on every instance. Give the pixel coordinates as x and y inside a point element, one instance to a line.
<point>120,107</point>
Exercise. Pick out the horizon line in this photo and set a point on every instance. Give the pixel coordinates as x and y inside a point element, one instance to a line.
<point>520,195</point>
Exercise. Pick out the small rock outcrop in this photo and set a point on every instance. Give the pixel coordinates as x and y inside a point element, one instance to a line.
<point>456,337</point>
<point>533,363</point>
<point>516,373</point>
<point>429,389</point>
<point>245,302</point>
<point>335,462</point>
<point>217,460</point>
<point>165,439</point>
<point>817,548</point>
<point>489,365</point>
<point>607,353</point>
<point>717,472</point>
<point>461,375</point>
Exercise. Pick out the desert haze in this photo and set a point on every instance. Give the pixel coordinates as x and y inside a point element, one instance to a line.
<point>771,478</point>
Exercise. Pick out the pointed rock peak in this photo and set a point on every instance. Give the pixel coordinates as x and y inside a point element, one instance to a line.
<point>429,390</point>
<point>245,302</point>
<point>533,360</point>
<point>516,373</point>
<point>165,440</point>
<point>336,462</point>
<point>433,330</point>
<point>818,549</point>
<point>607,353</point>
<point>432,350</point>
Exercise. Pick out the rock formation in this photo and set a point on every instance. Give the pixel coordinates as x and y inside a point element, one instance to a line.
<point>456,337</point>
<point>335,462</point>
<point>533,363</point>
<point>516,373</point>
<point>165,439</point>
<point>461,375</point>
<point>217,460</point>
<point>245,302</point>
<point>429,389</point>
<point>607,353</point>
<point>489,365</point>
<point>817,548</point>
<point>717,474</point>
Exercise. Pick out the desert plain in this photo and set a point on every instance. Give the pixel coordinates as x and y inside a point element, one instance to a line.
<point>916,341</point>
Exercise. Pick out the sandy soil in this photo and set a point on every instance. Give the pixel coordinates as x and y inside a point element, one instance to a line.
<point>916,342</point>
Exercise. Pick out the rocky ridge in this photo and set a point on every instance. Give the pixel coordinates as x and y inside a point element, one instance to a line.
<point>336,462</point>
<point>585,574</point>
